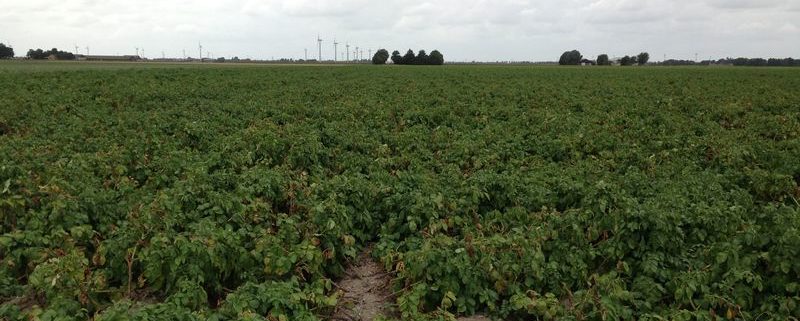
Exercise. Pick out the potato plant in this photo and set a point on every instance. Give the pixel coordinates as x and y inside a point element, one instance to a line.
<point>522,193</point>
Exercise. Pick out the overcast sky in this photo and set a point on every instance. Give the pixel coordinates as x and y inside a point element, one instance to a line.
<point>461,29</point>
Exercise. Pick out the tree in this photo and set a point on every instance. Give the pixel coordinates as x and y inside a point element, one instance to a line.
<point>380,57</point>
<point>397,59</point>
<point>788,62</point>
<point>6,52</point>
<point>58,54</point>
<point>570,58</point>
<point>643,58</point>
<point>626,61</point>
<point>409,57</point>
<point>675,62</point>
<point>436,58</point>
<point>36,54</point>
<point>602,60</point>
<point>422,58</point>
<point>757,62</point>
<point>741,61</point>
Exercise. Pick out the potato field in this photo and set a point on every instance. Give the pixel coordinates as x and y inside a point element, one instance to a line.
<point>232,192</point>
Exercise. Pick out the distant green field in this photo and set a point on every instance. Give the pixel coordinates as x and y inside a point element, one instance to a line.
<point>45,65</point>
<point>221,192</point>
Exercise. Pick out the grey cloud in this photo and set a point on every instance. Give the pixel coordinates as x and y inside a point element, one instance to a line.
<point>311,8</point>
<point>746,4</point>
<point>463,29</point>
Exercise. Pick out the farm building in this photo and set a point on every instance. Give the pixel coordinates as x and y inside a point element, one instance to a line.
<point>107,58</point>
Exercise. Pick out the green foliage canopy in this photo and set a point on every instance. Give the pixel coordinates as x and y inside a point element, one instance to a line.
<point>40,54</point>
<point>380,57</point>
<point>643,58</point>
<point>6,52</point>
<point>573,57</point>
<point>602,60</point>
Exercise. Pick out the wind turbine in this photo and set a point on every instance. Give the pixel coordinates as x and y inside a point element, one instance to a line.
<point>370,54</point>
<point>200,48</point>
<point>356,53</point>
<point>335,52</point>
<point>137,51</point>
<point>76,49</point>
<point>348,51</point>
<point>87,50</point>
<point>319,45</point>
<point>306,50</point>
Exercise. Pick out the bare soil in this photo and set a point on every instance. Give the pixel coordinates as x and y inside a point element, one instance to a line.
<point>366,291</point>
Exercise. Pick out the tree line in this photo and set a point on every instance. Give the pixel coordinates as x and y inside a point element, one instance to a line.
<point>746,62</point>
<point>421,58</point>
<point>640,59</point>
<point>772,62</point>
<point>58,54</point>
<point>574,57</point>
<point>6,52</point>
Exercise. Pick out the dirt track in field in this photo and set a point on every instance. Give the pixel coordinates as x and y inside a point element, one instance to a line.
<point>366,292</point>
